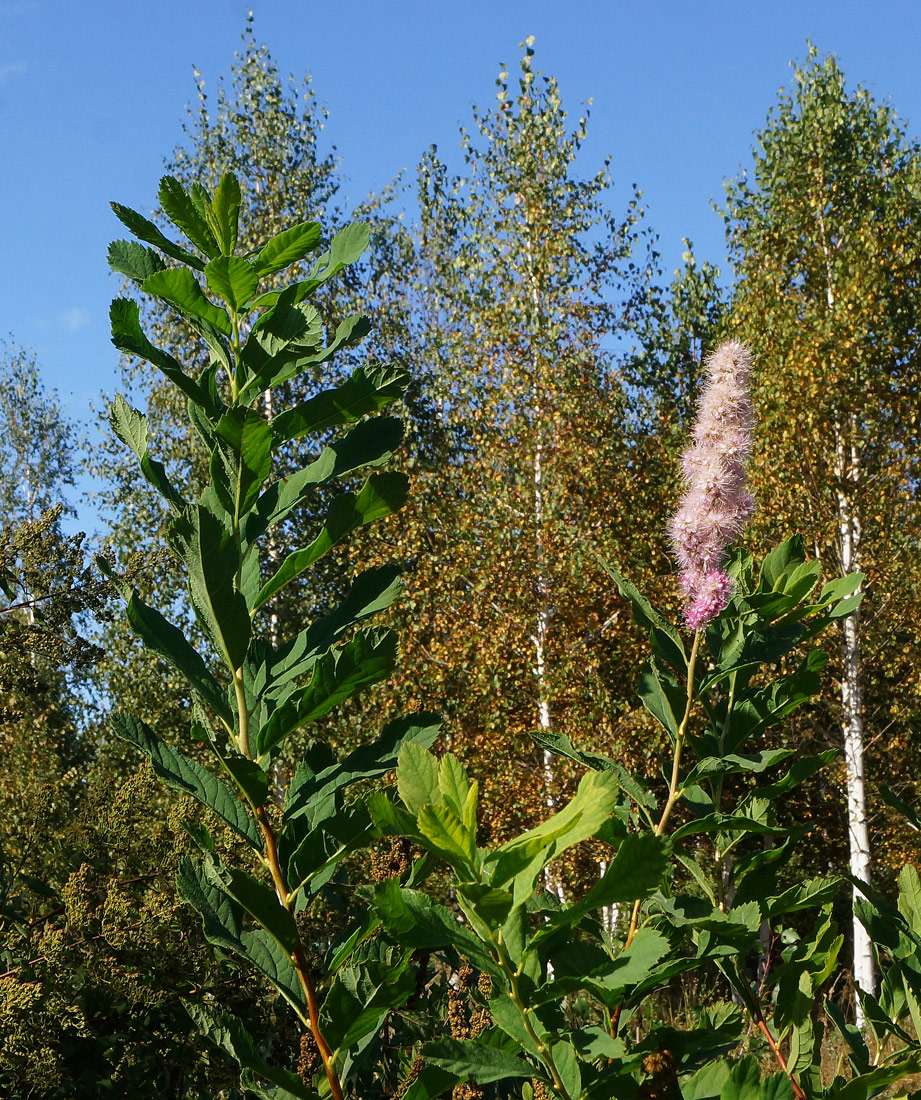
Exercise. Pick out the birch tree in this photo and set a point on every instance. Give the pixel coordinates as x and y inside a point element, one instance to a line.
<point>525,284</point>
<point>824,234</point>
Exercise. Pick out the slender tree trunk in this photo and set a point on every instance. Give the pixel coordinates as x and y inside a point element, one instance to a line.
<point>279,776</point>
<point>539,638</point>
<point>847,462</point>
<point>542,587</point>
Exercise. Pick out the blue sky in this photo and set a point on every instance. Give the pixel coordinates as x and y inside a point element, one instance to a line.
<point>92,96</point>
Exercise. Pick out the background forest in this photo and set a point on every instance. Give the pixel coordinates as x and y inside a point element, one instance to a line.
<point>555,368</point>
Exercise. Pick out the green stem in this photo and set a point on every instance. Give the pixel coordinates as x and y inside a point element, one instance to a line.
<point>673,794</point>
<point>544,1052</point>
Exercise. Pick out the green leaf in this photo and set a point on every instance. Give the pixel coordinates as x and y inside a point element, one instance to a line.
<point>259,901</point>
<point>286,248</point>
<point>179,287</point>
<point>665,700</point>
<point>319,850</point>
<point>233,279</point>
<point>644,613</point>
<point>446,836</point>
<point>145,230</point>
<point>131,428</point>
<point>417,777</point>
<point>210,554</point>
<point>186,776</point>
<point>871,1083</point>
<point>733,764</point>
<point>431,1083</point>
<point>782,559</point>
<point>707,1083</point>
<point>243,459</point>
<point>368,761</point>
<point>128,337</point>
<point>492,906</point>
<point>567,1065</point>
<point>367,658</point>
<point>225,209</point>
<point>370,443</point>
<point>380,496</point>
<point>635,871</point>
<point>295,358</point>
<point>250,778</point>
<point>560,744</point>
<point>346,247</point>
<point>455,786</point>
<point>229,1034</point>
<point>134,260</point>
<point>908,812</point>
<point>222,918</point>
<point>365,391</point>
<point>183,212</point>
<point>909,900</point>
<point>470,1060</point>
<point>524,857</point>
<point>169,642</point>
<point>744,1081</point>
<point>415,920</point>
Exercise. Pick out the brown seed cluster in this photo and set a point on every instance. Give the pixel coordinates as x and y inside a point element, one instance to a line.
<point>411,1074</point>
<point>309,1061</point>
<point>467,1092</point>
<point>394,862</point>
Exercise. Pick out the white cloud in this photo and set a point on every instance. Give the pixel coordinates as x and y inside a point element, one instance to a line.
<point>75,318</point>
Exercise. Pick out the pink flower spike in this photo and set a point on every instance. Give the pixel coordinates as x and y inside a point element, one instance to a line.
<point>716,504</point>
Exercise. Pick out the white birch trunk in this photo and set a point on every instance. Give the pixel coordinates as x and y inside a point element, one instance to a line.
<point>544,610</point>
<point>279,776</point>
<point>847,462</point>
<point>539,639</point>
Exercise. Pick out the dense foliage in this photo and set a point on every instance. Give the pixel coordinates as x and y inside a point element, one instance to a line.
<point>283,878</point>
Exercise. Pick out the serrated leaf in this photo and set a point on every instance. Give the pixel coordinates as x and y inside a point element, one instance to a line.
<point>225,209</point>
<point>470,1060</point>
<point>417,777</point>
<point>251,779</point>
<point>368,761</point>
<point>145,230</point>
<point>131,428</point>
<point>210,555</point>
<point>365,391</point>
<point>370,443</point>
<point>643,611</point>
<point>184,213</point>
<point>259,901</point>
<point>444,834</point>
<point>128,337</point>
<point>242,459</point>
<point>188,777</point>
<point>179,287</point>
<point>316,852</point>
<point>665,701</point>
<point>523,858</point>
<point>371,591</point>
<point>380,496</point>
<point>162,637</point>
<point>229,1034</point>
<point>560,744</point>
<point>292,361</point>
<point>415,920</point>
<point>134,260</point>
<point>366,659</point>
<point>233,279</point>
<point>286,248</point>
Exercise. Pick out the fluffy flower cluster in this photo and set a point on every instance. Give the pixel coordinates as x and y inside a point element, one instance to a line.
<point>716,505</point>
